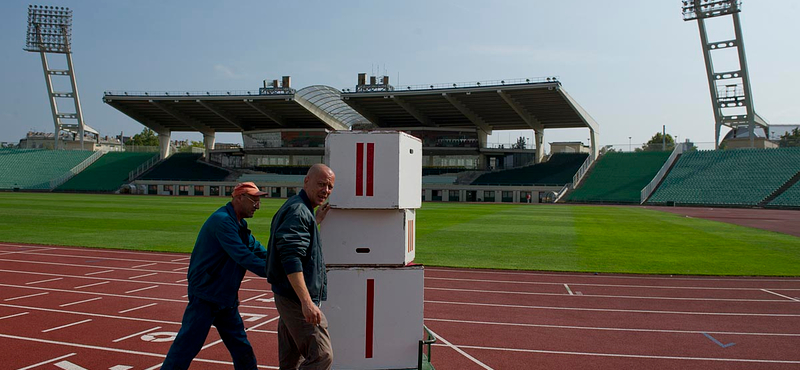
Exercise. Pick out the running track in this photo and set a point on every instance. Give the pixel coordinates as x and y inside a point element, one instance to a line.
<point>78,308</point>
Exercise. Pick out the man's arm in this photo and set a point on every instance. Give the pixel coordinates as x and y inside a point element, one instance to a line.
<point>228,237</point>
<point>310,310</point>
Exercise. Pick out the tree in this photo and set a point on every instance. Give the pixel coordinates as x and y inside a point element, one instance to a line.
<point>520,144</point>
<point>193,144</point>
<point>609,149</point>
<point>656,143</point>
<point>147,137</point>
<point>790,139</point>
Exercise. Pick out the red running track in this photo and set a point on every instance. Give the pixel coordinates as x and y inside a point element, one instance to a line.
<point>78,308</point>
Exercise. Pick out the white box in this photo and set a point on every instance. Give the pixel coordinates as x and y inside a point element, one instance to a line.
<point>369,237</point>
<point>375,169</point>
<point>375,316</point>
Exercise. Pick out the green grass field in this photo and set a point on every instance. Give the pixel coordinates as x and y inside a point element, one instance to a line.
<point>541,237</point>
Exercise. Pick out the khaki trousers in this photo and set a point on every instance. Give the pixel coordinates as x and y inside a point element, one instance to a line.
<point>301,345</point>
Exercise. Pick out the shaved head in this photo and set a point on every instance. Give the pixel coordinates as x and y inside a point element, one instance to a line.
<point>318,183</point>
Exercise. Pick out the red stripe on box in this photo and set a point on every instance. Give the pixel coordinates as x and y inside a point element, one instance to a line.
<point>370,166</point>
<point>359,169</point>
<point>410,236</point>
<point>370,316</point>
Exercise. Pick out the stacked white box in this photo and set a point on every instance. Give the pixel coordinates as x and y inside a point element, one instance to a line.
<point>369,237</point>
<point>375,169</point>
<point>375,316</point>
<point>375,305</point>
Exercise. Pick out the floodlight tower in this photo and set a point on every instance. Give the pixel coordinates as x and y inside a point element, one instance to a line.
<point>731,96</point>
<point>50,31</point>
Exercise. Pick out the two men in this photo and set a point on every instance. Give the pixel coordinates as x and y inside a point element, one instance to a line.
<point>295,268</point>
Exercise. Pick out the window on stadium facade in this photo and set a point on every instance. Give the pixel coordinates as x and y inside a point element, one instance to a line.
<point>199,190</point>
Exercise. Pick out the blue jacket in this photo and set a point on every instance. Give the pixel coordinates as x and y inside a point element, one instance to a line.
<point>224,249</point>
<point>294,246</point>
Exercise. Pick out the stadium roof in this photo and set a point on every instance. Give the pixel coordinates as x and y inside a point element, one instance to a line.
<point>501,105</point>
<point>237,111</point>
<point>538,104</point>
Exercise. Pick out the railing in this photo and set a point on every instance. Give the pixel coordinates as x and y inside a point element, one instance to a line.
<point>75,170</point>
<point>562,192</point>
<point>651,187</point>
<point>191,93</point>
<point>582,171</point>
<point>143,167</point>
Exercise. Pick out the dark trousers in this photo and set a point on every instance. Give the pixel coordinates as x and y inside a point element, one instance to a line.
<point>301,345</point>
<point>197,320</point>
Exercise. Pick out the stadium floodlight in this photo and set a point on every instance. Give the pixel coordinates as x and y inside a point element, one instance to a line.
<point>692,9</point>
<point>49,29</point>
<point>50,32</point>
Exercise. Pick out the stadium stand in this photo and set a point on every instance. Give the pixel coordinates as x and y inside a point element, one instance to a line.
<point>271,178</point>
<point>439,179</point>
<point>185,167</point>
<point>284,170</point>
<point>427,171</point>
<point>789,198</point>
<point>33,169</point>
<point>739,177</point>
<point>558,170</point>
<point>107,174</point>
<point>618,177</point>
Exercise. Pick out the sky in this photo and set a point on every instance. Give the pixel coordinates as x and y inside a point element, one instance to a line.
<point>633,65</point>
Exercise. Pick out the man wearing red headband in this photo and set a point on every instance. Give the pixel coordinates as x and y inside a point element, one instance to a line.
<point>224,250</point>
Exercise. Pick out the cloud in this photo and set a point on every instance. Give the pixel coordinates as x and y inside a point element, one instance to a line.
<point>228,72</point>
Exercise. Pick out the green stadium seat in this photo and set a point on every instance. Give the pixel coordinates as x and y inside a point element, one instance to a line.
<point>618,177</point>
<point>108,173</point>
<point>33,169</point>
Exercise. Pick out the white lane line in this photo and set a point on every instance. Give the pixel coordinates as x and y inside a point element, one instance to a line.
<point>505,282</point>
<point>781,295</point>
<point>248,329</point>
<point>47,362</point>
<point>138,308</point>
<point>94,315</point>
<point>622,355</point>
<point>90,285</point>
<point>603,276</point>
<point>568,289</point>
<point>14,315</point>
<point>25,296</point>
<point>182,280</point>
<point>123,296</point>
<point>672,331</point>
<point>459,350</point>
<point>181,268</point>
<point>43,281</point>
<point>66,365</point>
<point>79,302</point>
<point>607,296</point>
<point>181,259</point>
<point>141,276</point>
<point>618,310</point>
<point>141,289</point>
<point>66,326</point>
<point>133,335</point>
<point>98,272</point>
<point>117,350</point>
<point>254,297</point>
<point>145,265</point>
<point>154,367</point>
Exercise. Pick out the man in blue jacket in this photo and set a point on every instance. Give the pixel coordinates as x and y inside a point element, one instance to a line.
<point>296,271</point>
<point>224,250</point>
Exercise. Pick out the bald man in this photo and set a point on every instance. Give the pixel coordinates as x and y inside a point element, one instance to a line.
<point>296,271</point>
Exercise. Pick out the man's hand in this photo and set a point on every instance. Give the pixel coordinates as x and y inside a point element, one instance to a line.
<point>322,211</point>
<point>312,313</point>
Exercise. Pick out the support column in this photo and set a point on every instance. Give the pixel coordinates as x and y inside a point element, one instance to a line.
<point>539,137</point>
<point>208,140</point>
<point>595,150</point>
<point>163,143</point>
<point>483,162</point>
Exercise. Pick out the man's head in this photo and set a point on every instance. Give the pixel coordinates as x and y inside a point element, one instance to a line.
<point>318,183</point>
<point>246,199</point>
